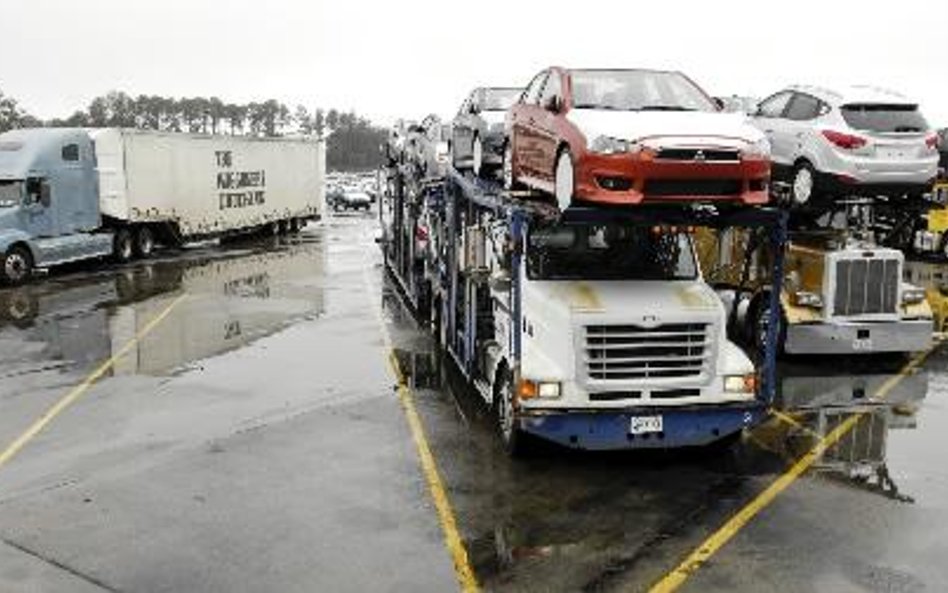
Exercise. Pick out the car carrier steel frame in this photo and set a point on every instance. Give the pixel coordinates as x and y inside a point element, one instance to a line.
<point>440,294</point>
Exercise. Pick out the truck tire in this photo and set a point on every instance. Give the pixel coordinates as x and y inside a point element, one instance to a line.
<point>123,246</point>
<point>144,242</point>
<point>17,265</point>
<point>512,437</point>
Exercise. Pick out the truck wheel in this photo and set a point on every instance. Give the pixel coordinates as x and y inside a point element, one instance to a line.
<point>123,246</point>
<point>144,242</point>
<point>510,433</point>
<point>17,265</point>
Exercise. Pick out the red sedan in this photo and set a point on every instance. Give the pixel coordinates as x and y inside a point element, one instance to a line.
<point>631,136</point>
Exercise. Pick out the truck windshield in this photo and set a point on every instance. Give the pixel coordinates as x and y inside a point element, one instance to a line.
<point>10,193</point>
<point>609,252</point>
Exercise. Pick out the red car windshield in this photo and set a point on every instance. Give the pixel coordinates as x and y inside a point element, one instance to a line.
<point>637,90</point>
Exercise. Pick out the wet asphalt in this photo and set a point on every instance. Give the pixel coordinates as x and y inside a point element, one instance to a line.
<point>253,442</point>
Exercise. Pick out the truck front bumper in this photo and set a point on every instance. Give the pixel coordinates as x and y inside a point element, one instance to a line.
<point>859,337</point>
<point>692,426</point>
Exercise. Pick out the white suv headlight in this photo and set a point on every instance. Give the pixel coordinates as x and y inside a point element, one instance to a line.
<point>609,145</point>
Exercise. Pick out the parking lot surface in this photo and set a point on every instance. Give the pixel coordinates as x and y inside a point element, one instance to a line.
<point>252,439</point>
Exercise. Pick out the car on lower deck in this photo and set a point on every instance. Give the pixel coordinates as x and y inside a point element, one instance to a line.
<point>852,141</point>
<point>477,132</point>
<point>626,137</point>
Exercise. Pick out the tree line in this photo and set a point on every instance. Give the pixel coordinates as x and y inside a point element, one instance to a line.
<point>352,142</point>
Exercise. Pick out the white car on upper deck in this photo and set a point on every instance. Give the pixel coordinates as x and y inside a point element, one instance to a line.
<point>855,140</point>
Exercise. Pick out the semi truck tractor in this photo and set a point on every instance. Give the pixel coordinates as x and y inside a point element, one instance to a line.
<point>74,194</point>
<point>590,327</point>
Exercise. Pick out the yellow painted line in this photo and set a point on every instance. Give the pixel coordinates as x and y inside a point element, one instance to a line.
<point>452,537</point>
<point>68,399</point>
<point>786,418</point>
<point>677,577</point>
<point>449,526</point>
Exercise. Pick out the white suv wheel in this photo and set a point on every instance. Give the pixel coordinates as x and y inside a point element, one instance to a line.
<point>803,185</point>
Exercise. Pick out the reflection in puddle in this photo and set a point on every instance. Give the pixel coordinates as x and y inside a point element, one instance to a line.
<point>234,297</point>
<point>812,405</point>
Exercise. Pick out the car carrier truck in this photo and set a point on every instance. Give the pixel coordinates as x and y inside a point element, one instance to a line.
<point>73,194</point>
<point>591,327</point>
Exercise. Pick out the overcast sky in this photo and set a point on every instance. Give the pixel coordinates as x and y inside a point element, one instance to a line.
<point>390,59</point>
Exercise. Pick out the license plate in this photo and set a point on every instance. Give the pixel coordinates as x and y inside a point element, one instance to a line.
<point>895,154</point>
<point>645,424</point>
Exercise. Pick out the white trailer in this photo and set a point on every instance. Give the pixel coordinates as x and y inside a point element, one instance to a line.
<point>208,185</point>
<point>72,194</point>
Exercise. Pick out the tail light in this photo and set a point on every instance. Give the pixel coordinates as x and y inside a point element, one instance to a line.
<point>846,141</point>
<point>932,142</point>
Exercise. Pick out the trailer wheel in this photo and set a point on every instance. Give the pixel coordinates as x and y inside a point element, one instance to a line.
<point>123,246</point>
<point>510,433</point>
<point>17,265</point>
<point>144,242</point>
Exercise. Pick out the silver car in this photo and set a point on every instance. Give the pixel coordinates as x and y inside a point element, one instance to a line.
<point>477,139</point>
<point>855,141</point>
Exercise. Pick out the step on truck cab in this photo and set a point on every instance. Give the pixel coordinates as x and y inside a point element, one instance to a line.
<point>592,328</point>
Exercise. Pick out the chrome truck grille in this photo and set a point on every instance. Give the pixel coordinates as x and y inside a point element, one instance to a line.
<point>630,352</point>
<point>866,287</point>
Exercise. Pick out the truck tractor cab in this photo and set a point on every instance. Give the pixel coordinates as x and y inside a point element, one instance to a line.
<point>48,200</point>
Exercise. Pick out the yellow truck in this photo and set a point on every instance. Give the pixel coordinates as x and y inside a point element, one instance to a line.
<point>840,295</point>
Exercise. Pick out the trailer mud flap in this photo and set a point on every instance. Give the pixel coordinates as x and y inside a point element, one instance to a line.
<point>690,427</point>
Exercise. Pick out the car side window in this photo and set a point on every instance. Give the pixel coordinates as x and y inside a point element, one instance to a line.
<point>803,108</point>
<point>552,88</point>
<point>532,96</point>
<point>775,105</point>
<point>71,152</point>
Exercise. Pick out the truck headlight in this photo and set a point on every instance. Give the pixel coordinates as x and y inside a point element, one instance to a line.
<point>542,389</point>
<point>802,298</point>
<point>757,150</point>
<point>740,383</point>
<point>913,295</point>
<point>609,145</point>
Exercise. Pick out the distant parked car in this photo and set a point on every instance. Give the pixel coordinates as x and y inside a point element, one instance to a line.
<point>352,200</point>
<point>477,135</point>
<point>856,140</point>
<point>631,136</point>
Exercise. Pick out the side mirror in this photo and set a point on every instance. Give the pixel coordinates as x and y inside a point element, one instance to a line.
<point>553,104</point>
<point>46,193</point>
<point>722,106</point>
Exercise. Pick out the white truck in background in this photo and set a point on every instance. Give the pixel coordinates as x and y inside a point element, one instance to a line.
<point>74,194</point>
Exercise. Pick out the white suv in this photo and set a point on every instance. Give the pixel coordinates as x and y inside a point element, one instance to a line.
<point>855,141</point>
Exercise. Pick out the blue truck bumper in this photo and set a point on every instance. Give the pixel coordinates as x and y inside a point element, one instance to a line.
<point>610,430</point>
